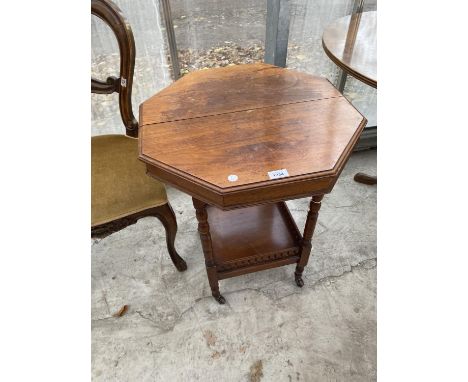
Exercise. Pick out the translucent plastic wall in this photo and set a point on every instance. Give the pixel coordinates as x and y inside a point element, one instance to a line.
<point>212,33</point>
<point>308,20</point>
<point>151,65</point>
<point>363,97</point>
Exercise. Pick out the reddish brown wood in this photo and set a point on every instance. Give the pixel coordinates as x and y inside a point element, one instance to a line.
<point>166,216</point>
<point>309,229</point>
<point>360,177</point>
<point>112,16</point>
<point>231,89</point>
<point>251,143</point>
<point>247,121</point>
<point>110,86</point>
<point>280,190</point>
<point>310,137</point>
<point>251,237</point>
<point>351,43</point>
<point>205,237</point>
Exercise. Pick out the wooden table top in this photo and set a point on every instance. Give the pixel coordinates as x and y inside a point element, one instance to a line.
<point>216,134</point>
<point>351,43</point>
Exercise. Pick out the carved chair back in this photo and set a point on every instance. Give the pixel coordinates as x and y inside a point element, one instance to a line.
<point>112,16</point>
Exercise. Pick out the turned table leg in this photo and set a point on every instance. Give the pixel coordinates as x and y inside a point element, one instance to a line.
<point>311,221</point>
<point>205,237</point>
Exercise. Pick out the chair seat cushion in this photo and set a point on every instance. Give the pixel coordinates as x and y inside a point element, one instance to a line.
<point>119,184</point>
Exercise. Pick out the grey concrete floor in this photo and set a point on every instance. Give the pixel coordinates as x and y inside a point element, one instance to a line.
<point>269,330</point>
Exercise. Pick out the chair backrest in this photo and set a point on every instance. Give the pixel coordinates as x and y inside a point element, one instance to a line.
<point>112,16</point>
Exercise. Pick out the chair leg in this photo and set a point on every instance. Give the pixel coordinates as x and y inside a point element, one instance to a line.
<point>167,217</point>
<point>360,177</point>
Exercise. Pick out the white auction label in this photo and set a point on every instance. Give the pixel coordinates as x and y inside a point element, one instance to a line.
<point>276,174</point>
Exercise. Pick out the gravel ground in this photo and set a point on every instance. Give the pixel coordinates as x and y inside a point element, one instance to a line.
<point>223,55</point>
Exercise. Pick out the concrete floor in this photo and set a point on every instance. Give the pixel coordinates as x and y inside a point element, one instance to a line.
<point>269,330</point>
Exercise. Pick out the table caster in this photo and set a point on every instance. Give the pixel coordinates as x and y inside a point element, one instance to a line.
<point>299,281</point>
<point>221,300</point>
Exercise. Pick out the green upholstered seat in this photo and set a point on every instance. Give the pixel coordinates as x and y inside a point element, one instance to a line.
<point>119,184</point>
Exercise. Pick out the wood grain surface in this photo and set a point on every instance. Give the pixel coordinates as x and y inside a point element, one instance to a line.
<point>230,89</point>
<point>303,138</point>
<point>242,122</point>
<point>247,232</point>
<point>351,43</point>
<point>113,17</point>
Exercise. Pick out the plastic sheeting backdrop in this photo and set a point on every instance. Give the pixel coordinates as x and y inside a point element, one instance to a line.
<point>212,33</point>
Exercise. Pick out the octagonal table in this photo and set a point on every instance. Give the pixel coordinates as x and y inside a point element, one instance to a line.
<point>241,140</point>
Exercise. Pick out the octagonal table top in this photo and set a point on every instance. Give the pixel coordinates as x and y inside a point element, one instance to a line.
<point>248,134</point>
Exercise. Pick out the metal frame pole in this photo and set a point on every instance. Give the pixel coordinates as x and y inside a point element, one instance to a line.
<point>342,77</point>
<point>166,7</point>
<point>277,32</point>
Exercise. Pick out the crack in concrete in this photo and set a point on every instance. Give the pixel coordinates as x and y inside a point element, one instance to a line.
<point>367,264</point>
<point>102,319</point>
<point>183,313</point>
<point>116,362</point>
<point>146,317</point>
<point>352,268</point>
<point>158,323</point>
<point>105,300</point>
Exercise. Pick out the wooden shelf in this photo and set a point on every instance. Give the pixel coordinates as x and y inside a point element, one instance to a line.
<point>252,239</point>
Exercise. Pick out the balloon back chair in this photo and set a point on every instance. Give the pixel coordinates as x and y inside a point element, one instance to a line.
<point>121,191</point>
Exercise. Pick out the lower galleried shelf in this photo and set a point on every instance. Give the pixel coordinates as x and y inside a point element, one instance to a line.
<point>253,238</point>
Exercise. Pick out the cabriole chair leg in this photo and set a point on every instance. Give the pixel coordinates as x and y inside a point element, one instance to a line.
<point>167,217</point>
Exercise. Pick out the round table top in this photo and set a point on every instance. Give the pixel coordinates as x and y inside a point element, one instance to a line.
<point>351,43</point>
